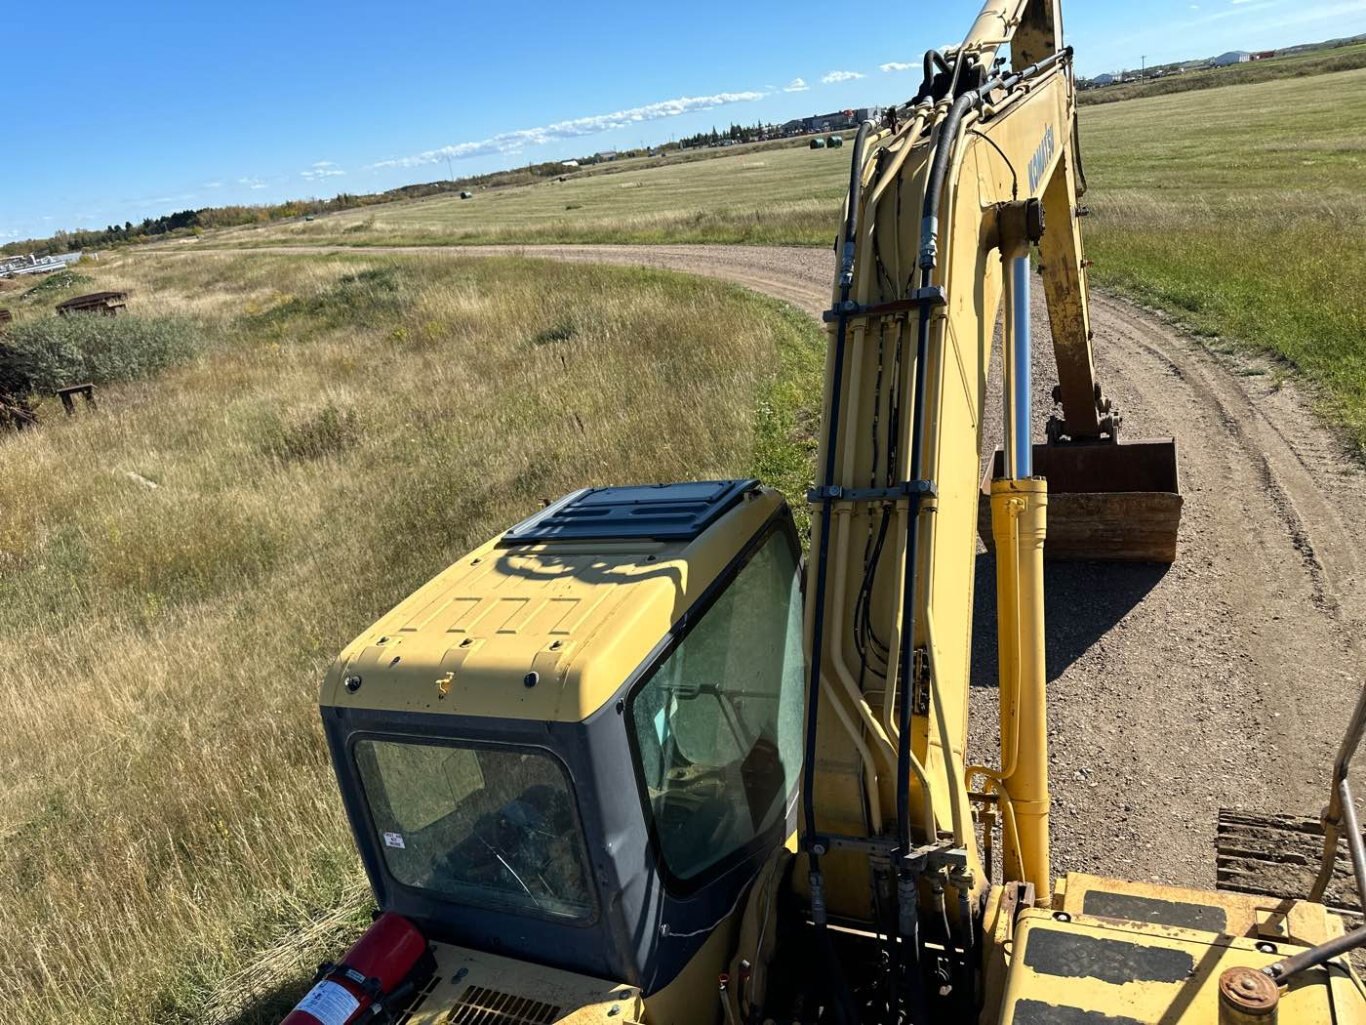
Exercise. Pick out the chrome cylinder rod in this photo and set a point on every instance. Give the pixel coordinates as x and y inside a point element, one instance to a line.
<point>1016,361</point>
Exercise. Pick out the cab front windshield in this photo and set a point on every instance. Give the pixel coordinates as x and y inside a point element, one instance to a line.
<point>489,826</point>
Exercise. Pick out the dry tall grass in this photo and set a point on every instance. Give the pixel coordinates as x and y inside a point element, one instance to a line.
<point>177,570</point>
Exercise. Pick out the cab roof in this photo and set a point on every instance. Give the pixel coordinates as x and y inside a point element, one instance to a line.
<point>547,621</point>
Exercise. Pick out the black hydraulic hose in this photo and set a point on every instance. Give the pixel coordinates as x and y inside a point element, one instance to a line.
<point>904,696</point>
<point>818,616</point>
<point>1076,156</point>
<point>850,227</point>
<point>943,153</point>
<point>933,57</point>
<point>846,280</point>
<point>843,1004</point>
<point>929,258</point>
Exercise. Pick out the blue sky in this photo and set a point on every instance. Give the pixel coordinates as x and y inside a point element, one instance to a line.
<point>121,111</point>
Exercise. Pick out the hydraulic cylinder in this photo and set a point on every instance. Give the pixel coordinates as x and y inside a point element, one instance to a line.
<point>1019,514</point>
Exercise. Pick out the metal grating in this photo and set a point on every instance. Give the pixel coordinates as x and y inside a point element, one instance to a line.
<point>480,1006</point>
<point>646,512</point>
<point>418,1000</point>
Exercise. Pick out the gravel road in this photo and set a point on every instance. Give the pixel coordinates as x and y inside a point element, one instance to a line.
<point>1223,681</point>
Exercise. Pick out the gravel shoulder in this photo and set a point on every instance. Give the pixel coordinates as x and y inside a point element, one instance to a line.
<point>1223,681</point>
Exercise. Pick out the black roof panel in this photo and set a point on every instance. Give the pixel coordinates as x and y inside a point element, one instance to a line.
<point>643,512</point>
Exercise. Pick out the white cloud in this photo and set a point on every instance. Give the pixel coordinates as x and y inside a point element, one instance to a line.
<point>321,169</point>
<point>896,66</point>
<point>512,142</point>
<point>252,183</point>
<point>797,85</point>
<point>213,185</point>
<point>841,76</point>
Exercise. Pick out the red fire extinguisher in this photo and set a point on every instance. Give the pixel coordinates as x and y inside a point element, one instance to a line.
<point>371,975</point>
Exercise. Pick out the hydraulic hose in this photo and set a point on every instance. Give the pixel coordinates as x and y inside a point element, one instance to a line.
<point>948,138</point>
<point>929,259</point>
<point>843,1004</point>
<point>907,646</point>
<point>850,228</point>
<point>933,57</point>
<point>846,280</point>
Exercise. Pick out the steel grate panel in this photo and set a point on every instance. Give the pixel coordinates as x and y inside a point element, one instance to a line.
<point>418,1000</point>
<point>480,1006</point>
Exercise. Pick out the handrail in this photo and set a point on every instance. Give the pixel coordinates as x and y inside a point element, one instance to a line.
<point>1341,811</point>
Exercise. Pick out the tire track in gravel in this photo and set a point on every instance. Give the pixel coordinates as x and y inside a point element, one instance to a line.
<point>1225,680</point>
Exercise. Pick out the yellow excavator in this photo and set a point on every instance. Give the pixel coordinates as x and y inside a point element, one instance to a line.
<point>635,760</point>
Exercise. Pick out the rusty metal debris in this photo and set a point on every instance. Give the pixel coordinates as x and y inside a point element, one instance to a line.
<point>107,304</point>
<point>68,397</point>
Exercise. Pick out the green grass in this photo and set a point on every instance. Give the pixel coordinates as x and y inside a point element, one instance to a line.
<point>1243,211</point>
<point>178,569</point>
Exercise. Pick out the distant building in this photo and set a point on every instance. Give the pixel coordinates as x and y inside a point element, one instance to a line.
<point>1103,80</point>
<point>569,163</point>
<point>1264,55</point>
<point>13,266</point>
<point>607,154</point>
<point>1232,57</point>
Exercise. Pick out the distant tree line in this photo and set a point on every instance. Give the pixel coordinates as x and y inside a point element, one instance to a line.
<point>735,133</point>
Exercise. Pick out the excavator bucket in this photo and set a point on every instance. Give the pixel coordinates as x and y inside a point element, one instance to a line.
<point>1115,503</point>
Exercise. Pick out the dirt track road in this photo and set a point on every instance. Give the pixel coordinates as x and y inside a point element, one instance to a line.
<point>1225,680</point>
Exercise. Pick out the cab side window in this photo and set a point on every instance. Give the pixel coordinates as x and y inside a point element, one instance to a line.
<point>718,725</point>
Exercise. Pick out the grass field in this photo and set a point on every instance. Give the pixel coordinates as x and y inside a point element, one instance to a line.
<point>177,571</point>
<point>1241,209</point>
<point>758,196</point>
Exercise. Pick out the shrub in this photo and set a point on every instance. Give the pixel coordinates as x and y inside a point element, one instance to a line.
<point>54,352</point>
<point>328,431</point>
<point>367,297</point>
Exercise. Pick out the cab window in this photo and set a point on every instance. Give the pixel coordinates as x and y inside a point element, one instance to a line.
<point>478,825</point>
<point>718,724</point>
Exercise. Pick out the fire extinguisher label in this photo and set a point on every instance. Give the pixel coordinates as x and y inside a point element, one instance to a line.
<point>329,1003</point>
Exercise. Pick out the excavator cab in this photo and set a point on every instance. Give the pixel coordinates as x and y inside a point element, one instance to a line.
<point>577,746</point>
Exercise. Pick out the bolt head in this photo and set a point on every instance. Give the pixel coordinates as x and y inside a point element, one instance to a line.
<point>1249,991</point>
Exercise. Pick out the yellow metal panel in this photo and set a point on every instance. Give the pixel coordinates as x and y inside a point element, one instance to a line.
<point>1245,915</point>
<point>1066,964</point>
<point>582,616</point>
<point>473,986</point>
